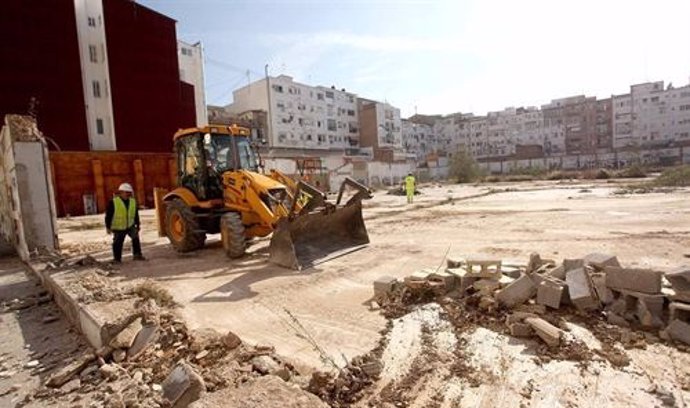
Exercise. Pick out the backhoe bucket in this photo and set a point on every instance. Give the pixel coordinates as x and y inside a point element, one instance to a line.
<point>316,237</point>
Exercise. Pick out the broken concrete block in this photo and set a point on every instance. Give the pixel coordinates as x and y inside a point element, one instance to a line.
<point>511,271</point>
<point>678,330</point>
<point>550,293</point>
<point>486,287</point>
<point>505,281</point>
<point>231,340</point>
<point>638,280</point>
<point>384,285</point>
<point>521,330</point>
<point>580,289</point>
<point>146,336</point>
<point>463,280</point>
<point>126,337</point>
<point>183,386</point>
<point>603,292</point>
<point>63,375</point>
<point>517,292</point>
<point>455,261</point>
<point>119,355</point>
<point>418,275</point>
<point>445,277</point>
<point>518,317</point>
<point>570,264</point>
<point>265,364</point>
<point>484,267</point>
<point>601,261</point>
<point>545,330</point>
<point>646,307</point>
<point>680,282</point>
<point>534,263</point>
<point>558,272</point>
<point>679,311</point>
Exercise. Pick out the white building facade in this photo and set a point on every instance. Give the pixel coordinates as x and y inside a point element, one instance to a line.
<point>302,116</point>
<point>418,139</point>
<point>93,54</point>
<point>191,61</point>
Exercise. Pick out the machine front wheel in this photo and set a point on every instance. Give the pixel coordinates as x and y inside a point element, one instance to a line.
<point>182,227</point>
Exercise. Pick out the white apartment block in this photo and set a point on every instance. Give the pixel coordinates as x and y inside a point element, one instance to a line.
<point>302,116</point>
<point>93,55</point>
<point>418,139</point>
<point>651,116</point>
<point>191,61</point>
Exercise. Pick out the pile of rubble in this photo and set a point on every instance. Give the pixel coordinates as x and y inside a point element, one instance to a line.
<point>522,295</point>
<point>153,360</point>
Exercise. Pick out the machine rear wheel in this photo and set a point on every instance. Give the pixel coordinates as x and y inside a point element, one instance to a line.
<point>232,232</point>
<point>182,227</point>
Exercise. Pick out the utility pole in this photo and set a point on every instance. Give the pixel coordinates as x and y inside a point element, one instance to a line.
<point>269,125</point>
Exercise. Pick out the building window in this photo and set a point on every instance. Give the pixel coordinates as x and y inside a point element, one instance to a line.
<point>331,125</point>
<point>186,51</point>
<point>278,88</point>
<point>92,21</point>
<point>685,107</point>
<point>96,89</point>
<point>99,126</point>
<point>319,96</point>
<point>93,53</point>
<point>329,94</point>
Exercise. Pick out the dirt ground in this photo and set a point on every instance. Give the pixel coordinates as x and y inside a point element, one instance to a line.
<point>330,301</point>
<point>35,340</point>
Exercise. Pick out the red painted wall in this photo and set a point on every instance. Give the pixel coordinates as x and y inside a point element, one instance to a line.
<point>149,100</point>
<point>39,56</point>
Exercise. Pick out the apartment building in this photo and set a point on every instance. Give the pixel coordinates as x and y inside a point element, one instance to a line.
<point>301,116</point>
<point>418,138</point>
<point>97,74</point>
<point>381,129</point>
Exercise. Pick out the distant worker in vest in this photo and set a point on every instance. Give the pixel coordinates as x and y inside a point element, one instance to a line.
<point>410,185</point>
<point>121,220</point>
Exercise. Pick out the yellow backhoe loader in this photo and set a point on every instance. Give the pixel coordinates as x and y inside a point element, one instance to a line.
<point>220,189</point>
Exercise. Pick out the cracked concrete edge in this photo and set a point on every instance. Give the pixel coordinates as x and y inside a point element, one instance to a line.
<point>80,315</point>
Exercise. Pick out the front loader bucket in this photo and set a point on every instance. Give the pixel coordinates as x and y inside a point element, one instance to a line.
<point>316,237</point>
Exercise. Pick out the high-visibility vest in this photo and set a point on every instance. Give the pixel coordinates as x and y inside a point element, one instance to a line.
<point>123,217</point>
<point>409,183</point>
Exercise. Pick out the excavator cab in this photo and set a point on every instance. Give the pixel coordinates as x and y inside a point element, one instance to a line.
<point>220,189</point>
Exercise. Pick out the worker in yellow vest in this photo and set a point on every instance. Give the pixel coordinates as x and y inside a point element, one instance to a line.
<point>122,220</point>
<point>410,184</point>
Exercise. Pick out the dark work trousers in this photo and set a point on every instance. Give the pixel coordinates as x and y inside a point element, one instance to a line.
<point>119,240</point>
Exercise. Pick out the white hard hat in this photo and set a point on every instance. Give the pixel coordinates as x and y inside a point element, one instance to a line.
<point>125,187</point>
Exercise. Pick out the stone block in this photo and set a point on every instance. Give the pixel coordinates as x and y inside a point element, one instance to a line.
<point>680,280</point>
<point>506,280</point>
<point>455,261</point>
<point>486,287</point>
<point>518,317</point>
<point>617,319</point>
<point>679,331</point>
<point>550,293</point>
<point>517,292</point>
<point>384,285</point>
<point>125,338</point>
<point>521,330</point>
<point>600,261</point>
<point>534,263</point>
<point>545,330</point>
<point>484,267</point>
<point>146,336</point>
<point>511,271</point>
<point>183,386</point>
<point>418,275</point>
<point>646,307</point>
<point>638,280</point>
<point>679,311</point>
<point>65,374</point>
<point>580,289</point>
<point>463,280</point>
<point>445,277</point>
<point>603,292</point>
<point>558,272</point>
<point>570,264</point>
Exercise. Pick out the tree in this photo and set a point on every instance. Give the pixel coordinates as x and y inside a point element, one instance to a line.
<point>463,167</point>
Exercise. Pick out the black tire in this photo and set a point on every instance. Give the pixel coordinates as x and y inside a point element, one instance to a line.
<point>190,236</point>
<point>232,233</point>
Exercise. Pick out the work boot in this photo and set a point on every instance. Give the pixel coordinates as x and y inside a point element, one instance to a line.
<point>116,262</point>
<point>139,257</point>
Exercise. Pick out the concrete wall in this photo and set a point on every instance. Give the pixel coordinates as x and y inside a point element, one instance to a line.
<point>27,209</point>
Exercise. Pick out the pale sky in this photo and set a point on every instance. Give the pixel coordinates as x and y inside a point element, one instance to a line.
<point>441,56</point>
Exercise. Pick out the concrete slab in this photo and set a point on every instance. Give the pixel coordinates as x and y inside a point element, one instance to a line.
<point>517,292</point>
<point>638,280</point>
<point>580,289</point>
